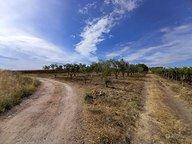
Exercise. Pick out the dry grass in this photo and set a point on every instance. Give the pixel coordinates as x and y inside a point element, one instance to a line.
<point>14,87</point>
<point>167,126</point>
<point>183,90</point>
<point>111,113</point>
<point>172,130</point>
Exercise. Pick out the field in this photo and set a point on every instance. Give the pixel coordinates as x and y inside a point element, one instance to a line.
<point>83,108</point>
<point>135,109</point>
<point>110,113</point>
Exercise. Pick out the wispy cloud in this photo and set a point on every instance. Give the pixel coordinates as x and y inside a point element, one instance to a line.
<point>9,58</point>
<point>94,32</point>
<point>115,54</point>
<point>175,47</point>
<point>93,35</point>
<point>141,53</point>
<point>30,46</point>
<point>20,44</point>
<point>122,6</point>
<point>87,7</point>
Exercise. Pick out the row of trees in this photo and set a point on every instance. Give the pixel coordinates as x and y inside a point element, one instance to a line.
<point>106,68</point>
<point>180,74</point>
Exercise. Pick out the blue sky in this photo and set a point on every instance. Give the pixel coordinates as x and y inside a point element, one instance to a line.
<point>38,32</point>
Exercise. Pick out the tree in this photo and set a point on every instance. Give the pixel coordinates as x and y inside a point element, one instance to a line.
<point>180,74</point>
<point>123,66</point>
<point>115,67</point>
<point>46,67</point>
<point>105,68</point>
<point>144,67</point>
<point>59,67</point>
<point>52,66</point>
<point>96,67</point>
<point>68,68</point>
<point>106,71</point>
<point>88,70</point>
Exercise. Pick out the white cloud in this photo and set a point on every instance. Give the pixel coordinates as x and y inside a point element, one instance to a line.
<point>165,30</point>
<point>163,59</point>
<point>122,6</point>
<point>21,46</point>
<point>117,53</point>
<point>30,46</point>
<point>87,7</point>
<point>175,47</point>
<point>94,32</point>
<point>93,35</point>
<point>141,54</point>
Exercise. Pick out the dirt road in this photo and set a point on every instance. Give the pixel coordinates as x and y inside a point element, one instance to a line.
<point>166,118</point>
<point>50,116</point>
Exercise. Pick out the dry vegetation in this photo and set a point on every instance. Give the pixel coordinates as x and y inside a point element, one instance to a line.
<point>121,102</point>
<point>110,113</point>
<point>183,90</point>
<point>167,114</point>
<point>13,88</point>
<point>133,109</point>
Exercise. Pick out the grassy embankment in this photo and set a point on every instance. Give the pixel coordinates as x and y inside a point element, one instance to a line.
<point>13,88</point>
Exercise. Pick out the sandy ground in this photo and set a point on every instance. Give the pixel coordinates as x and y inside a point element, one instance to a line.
<point>164,117</point>
<point>50,116</point>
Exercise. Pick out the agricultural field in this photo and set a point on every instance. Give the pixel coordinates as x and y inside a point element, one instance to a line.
<point>110,113</point>
<point>109,102</point>
<point>96,72</point>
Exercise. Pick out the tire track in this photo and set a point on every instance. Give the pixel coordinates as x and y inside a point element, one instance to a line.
<point>50,118</point>
<point>165,120</point>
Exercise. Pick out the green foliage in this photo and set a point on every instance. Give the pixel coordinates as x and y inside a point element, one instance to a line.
<point>180,74</point>
<point>106,68</point>
<point>143,67</point>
